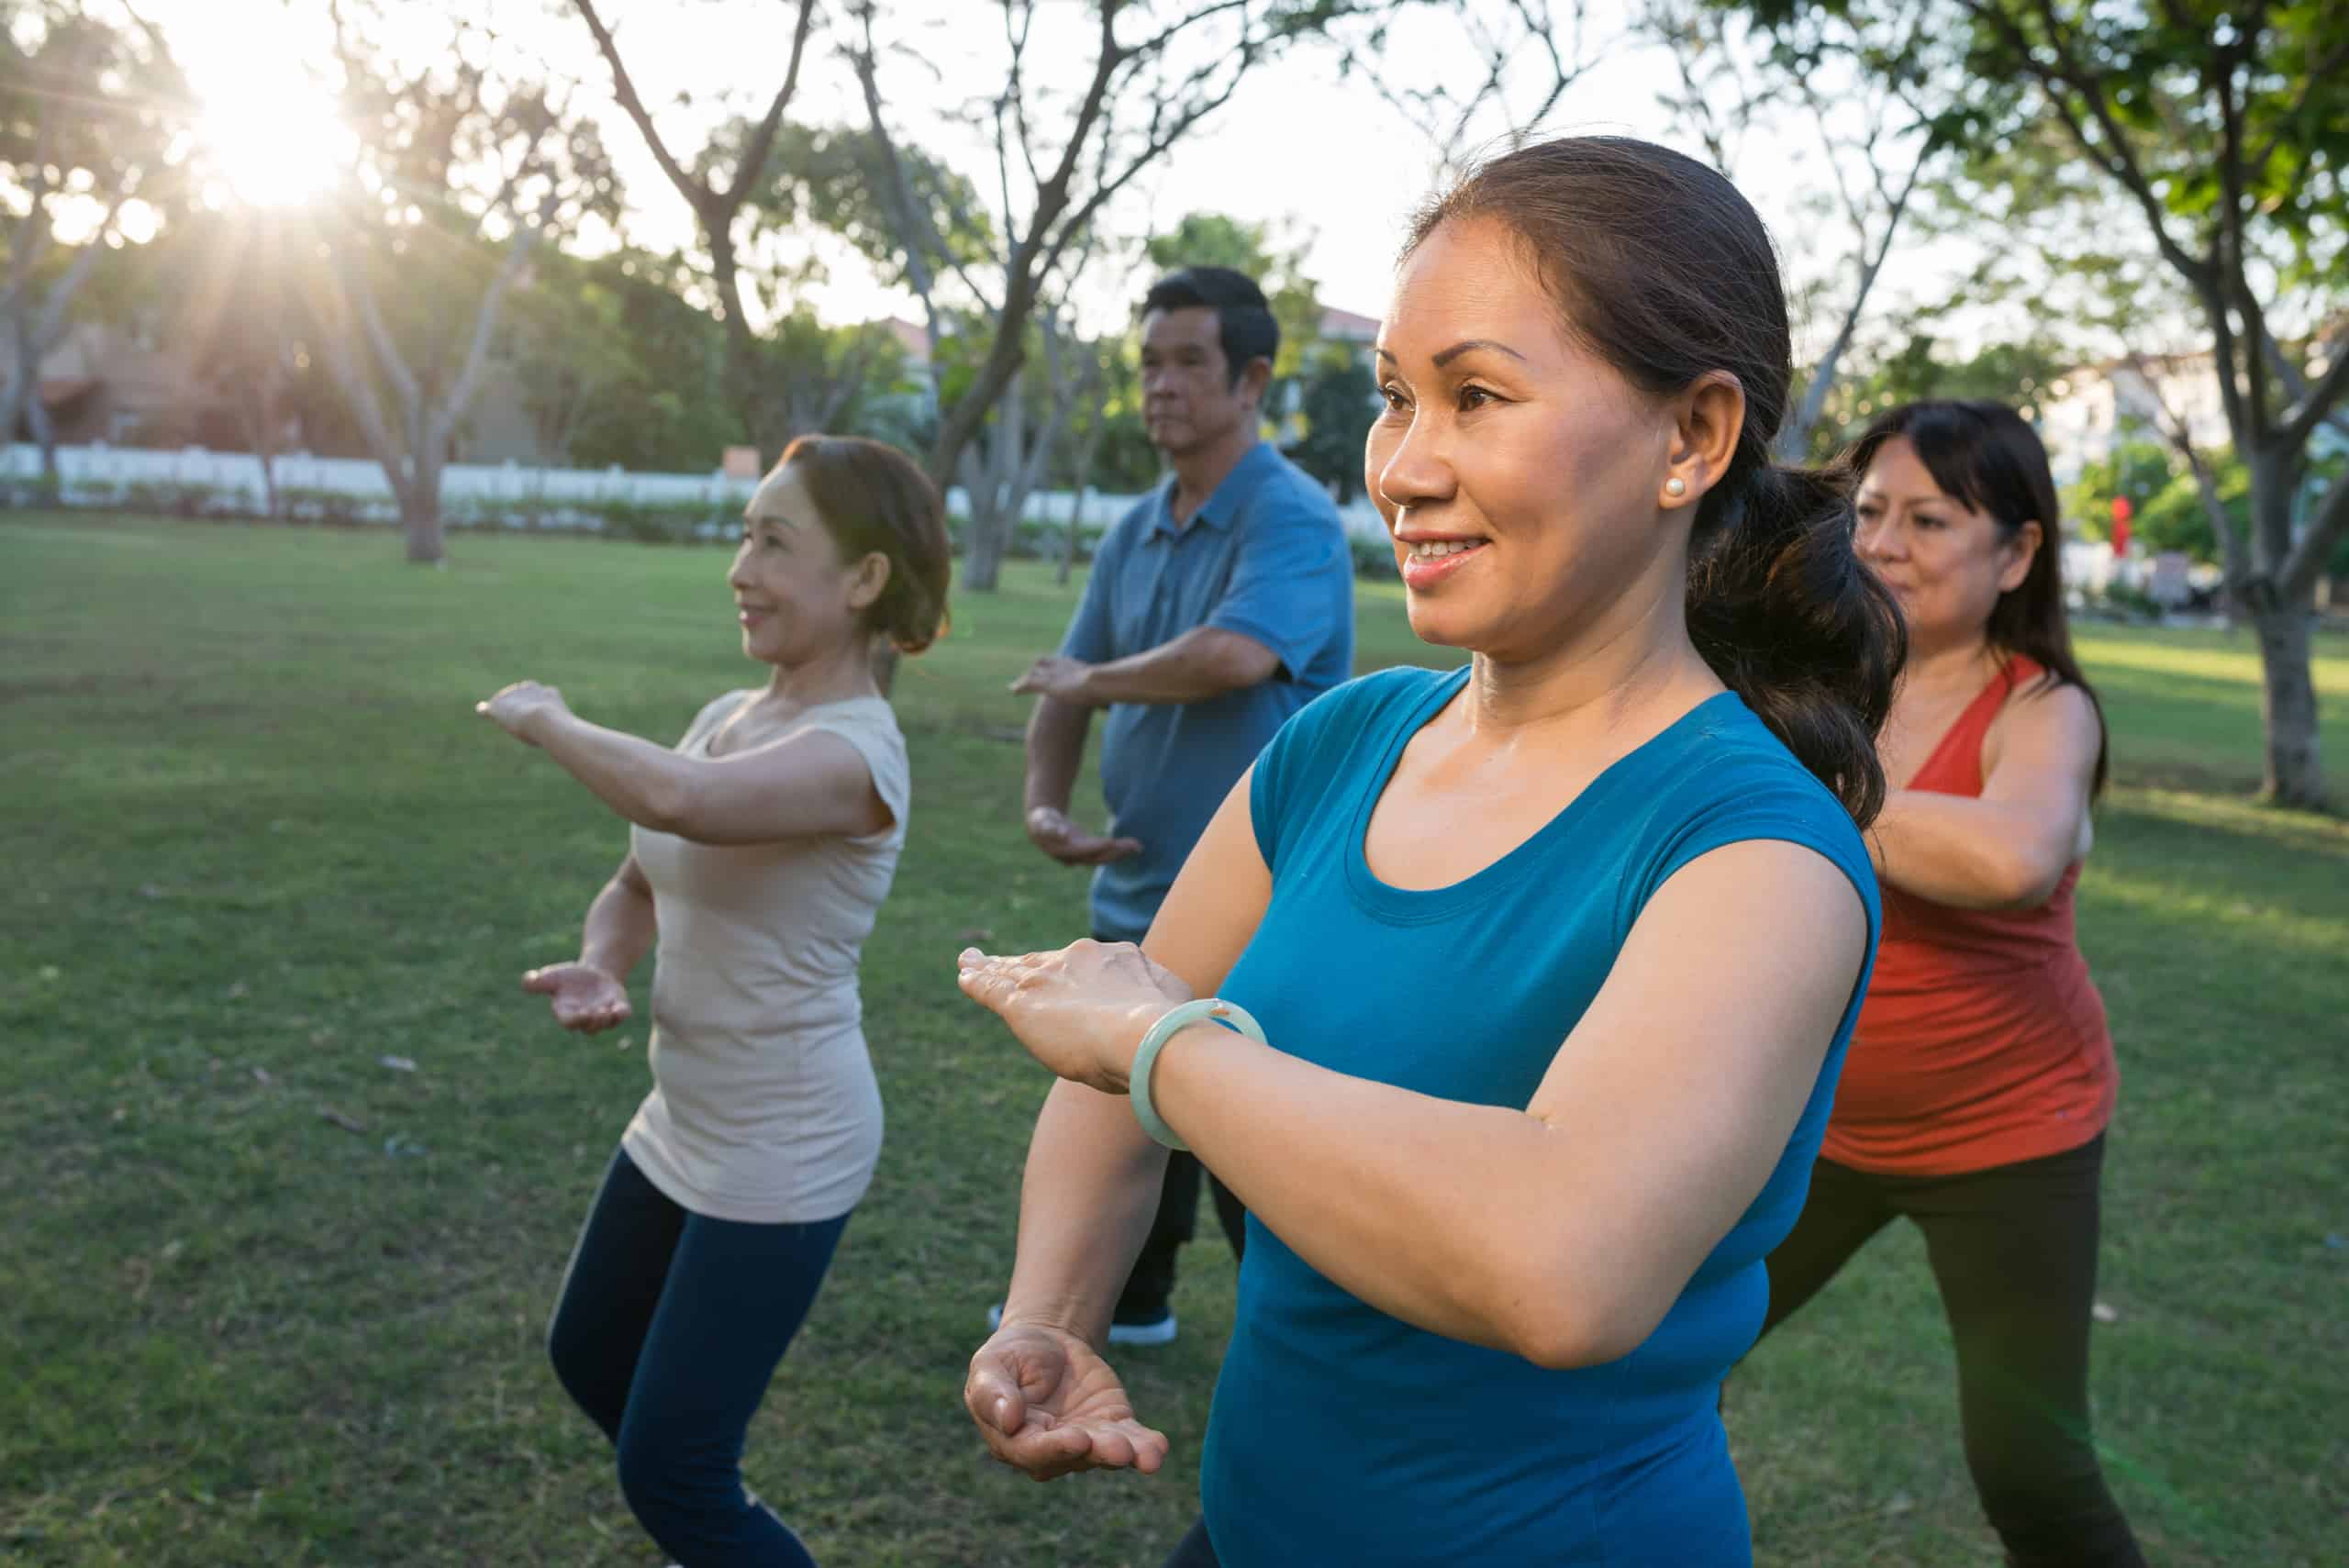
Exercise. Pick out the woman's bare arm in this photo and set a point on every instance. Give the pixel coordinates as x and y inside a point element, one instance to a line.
<point>1093,1174</point>
<point>2007,848</point>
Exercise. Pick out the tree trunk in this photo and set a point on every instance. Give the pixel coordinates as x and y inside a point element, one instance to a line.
<point>991,483</point>
<point>989,534</point>
<point>419,501</point>
<point>739,374</point>
<point>1086,453</point>
<point>258,415</point>
<point>2295,771</point>
<point>1075,520</point>
<point>37,411</point>
<point>12,401</point>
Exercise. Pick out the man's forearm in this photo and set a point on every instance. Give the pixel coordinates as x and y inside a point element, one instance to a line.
<point>1055,749</point>
<point>1204,662</point>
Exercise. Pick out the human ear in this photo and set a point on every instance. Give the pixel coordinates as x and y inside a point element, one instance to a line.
<point>868,579</point>
<point>2022,548</point>
<point>1708,418</point>
<point>1255,377</point>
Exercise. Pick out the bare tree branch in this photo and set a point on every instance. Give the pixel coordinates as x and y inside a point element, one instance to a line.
<point>2314,404</point>
<point>754,160</point>
<point>2234,553</point>
<point>461,390</point>
<point>35,231</point>
<point>361,297</point>
<point>1021,267</point>
<point>2114,156</point>
<point>2307,562</point>
<point>716,210</point>
<point>2306,409</point>
<point>1683,28</point>
<point>2232,258</point>
<point>850,379</point>
<point>624,88</point>
<point>1795,439</point>
<point>916,233</point>
<point>1016,90</point>
<point>350,378</point>
<point>2321,70</point>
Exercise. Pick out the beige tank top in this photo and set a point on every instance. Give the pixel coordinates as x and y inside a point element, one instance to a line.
<point>763,1106</point>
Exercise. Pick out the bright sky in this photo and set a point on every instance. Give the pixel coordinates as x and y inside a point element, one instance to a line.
<point>1295,146</point>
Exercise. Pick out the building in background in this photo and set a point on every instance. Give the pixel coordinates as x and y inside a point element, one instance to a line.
<point>2093,409</point>
<point>117,384</point>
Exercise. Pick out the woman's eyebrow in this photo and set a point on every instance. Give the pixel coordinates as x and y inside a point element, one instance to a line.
<point>1467,345</point>
<point>1464,346</point>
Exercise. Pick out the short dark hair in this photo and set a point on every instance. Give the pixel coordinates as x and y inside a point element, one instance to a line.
<point>1244,317</point>
<point>870,496</point>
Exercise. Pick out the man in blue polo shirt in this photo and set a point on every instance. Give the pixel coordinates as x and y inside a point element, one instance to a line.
<point>1218,606</point>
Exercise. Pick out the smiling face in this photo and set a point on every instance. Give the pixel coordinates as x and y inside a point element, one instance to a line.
<point>1945,561</point>
<point>1190,399</point>
<point>1518,472</point>
<point>796,600</point>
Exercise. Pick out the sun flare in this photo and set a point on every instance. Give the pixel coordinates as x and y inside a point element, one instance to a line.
<point>271,135</point>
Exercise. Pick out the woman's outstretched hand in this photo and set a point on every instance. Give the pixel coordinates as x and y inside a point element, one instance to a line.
<point>583,997</point>
<point>1048,1406</point>
<point>1081,1011</point>
<point>522,709</point>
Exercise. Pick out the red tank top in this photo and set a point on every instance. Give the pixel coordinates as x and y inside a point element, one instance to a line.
<point>1982,1041</point>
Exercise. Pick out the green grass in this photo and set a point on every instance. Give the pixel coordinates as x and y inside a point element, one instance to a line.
<point>257,840</point>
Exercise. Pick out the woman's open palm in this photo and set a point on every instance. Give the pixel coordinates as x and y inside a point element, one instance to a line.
<point>1048,1406</point>
<point>583,997</point>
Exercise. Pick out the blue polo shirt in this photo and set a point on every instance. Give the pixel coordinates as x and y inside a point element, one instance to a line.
<point>1265,557</point>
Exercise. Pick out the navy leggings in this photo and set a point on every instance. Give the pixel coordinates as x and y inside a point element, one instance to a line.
<point>668,1329</point>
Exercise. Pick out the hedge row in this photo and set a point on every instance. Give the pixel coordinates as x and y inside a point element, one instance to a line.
<point>643,522</point>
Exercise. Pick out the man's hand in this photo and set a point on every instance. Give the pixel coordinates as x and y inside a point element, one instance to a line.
<point>1062,680</point>
<point>1054,833</point>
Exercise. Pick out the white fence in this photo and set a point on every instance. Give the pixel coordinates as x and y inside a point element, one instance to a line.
<point>101,474</point>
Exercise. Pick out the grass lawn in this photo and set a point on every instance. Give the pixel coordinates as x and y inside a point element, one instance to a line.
<point>268,1300</point>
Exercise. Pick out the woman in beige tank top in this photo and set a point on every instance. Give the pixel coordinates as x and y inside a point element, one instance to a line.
<point>761,849</point>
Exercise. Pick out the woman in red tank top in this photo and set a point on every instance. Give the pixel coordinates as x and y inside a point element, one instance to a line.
<point>1976,1091</point>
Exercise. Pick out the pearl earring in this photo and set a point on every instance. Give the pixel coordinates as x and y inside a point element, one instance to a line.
<point>1676,488</point>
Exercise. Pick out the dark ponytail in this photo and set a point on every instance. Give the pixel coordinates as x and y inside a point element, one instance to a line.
<point>1781,608</point>
<point>1662,269</point>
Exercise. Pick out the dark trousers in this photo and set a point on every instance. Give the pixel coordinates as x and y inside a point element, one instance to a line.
<point>1151,1282</point>
<point>2013,1250</point>
<point>668,1329</point>
<point>1195,1550</point>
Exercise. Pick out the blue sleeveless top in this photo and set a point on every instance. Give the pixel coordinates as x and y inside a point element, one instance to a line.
<point>1340,1435</point>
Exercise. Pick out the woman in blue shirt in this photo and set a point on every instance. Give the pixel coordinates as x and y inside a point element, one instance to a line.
<point>1556,955</point>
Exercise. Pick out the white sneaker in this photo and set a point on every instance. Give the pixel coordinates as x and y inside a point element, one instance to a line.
<point>1161,1333</point>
